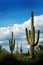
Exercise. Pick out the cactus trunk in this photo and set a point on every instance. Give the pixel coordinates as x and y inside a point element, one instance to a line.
<point>32,37</point>
<point>31,51</point>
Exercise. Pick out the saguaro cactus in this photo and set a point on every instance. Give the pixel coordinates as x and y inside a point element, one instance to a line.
<point>0,48</point>
<point>31,37</point>
<point>17,49</point>
<point>11,44</point>
<point>21,50</point>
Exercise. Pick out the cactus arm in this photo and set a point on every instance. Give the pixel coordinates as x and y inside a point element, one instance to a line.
<point>37,38</point>
<point>14,42</point>
<point>21,49</point>
<point>9,41</point>
<point>33,34</point>
<point>30,37</point>
<point>27,36</point>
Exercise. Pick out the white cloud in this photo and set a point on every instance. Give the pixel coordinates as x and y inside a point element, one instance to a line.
<point>19,30</point>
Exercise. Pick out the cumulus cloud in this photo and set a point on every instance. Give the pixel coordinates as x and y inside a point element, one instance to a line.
<point>19,31</point>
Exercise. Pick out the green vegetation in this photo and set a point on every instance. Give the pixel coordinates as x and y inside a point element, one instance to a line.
<point>14,59</point>
<point>7,58</point>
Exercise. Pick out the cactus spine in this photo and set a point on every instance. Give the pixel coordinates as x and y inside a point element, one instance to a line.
<point>11,44</point>
<point>31,37</point>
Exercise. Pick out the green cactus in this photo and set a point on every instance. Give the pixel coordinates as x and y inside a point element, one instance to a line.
<point>11,44</point>
<point>0,48</point>
<point>28,52</point>
<point>31,37</point>
<point>21,50</point>
<point>17,49</point>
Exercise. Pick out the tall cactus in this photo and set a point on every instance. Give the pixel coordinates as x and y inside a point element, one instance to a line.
<point>11,44</point>
<point>17,49</point>
<point>31,37</point>
<point>0,48</point>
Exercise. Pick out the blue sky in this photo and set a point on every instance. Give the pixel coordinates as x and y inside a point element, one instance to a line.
<point>18,11</point>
